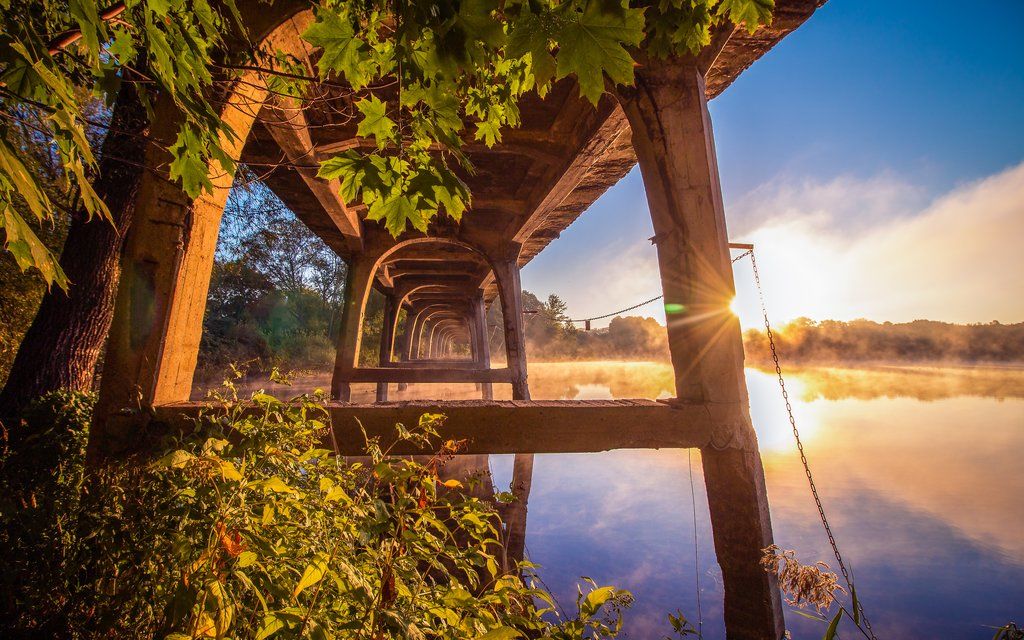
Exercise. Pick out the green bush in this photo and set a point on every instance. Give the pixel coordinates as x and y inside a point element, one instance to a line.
<point>42,475</point>
<point>246,528</point>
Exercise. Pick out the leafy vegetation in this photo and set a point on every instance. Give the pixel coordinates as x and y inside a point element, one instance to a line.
<point>20,293</point>
<point>245,527</point>
<point>422,75</point>
<point>864,341</point>
<point>275,292</point>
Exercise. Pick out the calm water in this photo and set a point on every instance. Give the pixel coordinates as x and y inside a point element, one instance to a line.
<point>921,472</point>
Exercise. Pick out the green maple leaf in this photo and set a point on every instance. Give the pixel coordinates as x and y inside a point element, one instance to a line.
<point>188,164</point>
<point>343,51</point>
<point>396,212</point>
<point>530,35</point>
<point>489,131</point>
<point>28,250</point>
<point>593,43</point>
<point>452,200</point>
<point>350,168</point>
<point>375,123</point>
<point>752,13</point>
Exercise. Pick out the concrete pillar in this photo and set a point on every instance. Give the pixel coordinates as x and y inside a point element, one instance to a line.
<point>431,340</point>
<point>387,340</point>
<point>481,346</point>
<point>417,334</point>
<point>672,137</point>
<point>402,344</point>
<point>510,290</point>
<point>357,289</point>
<point>153,345</point>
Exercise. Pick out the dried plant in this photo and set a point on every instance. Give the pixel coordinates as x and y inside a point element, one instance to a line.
<point>804,585</point>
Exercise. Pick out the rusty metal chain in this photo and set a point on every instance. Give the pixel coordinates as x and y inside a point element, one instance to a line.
<point>748,252</point>
<point>800,447</point>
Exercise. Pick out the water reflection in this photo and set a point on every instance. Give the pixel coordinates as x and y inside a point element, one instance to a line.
<point>923,486</point>
<point>616,379</point>
<point>920,470</point>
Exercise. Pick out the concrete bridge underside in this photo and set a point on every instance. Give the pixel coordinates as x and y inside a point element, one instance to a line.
<point>438,285</point>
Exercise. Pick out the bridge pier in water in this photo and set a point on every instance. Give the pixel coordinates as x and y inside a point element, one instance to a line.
<point>438,285</point>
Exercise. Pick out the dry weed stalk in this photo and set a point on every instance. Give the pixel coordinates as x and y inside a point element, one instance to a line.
<point>803,584</point>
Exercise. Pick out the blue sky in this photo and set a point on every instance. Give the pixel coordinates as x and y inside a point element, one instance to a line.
<point>875,156</point>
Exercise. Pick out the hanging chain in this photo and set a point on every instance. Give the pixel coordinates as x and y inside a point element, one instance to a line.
<point>800,447</point>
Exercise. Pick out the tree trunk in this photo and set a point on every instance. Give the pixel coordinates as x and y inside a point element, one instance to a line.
<point>62,346</point>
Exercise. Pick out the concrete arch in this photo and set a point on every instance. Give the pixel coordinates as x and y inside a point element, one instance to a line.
<point>154,339</point>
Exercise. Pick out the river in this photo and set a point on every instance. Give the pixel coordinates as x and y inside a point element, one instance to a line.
<point>921,472</point>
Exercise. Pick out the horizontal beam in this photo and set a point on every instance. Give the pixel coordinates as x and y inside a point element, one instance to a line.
<point>555,426</point>
<point>436,374</point>
<point>462,363</point>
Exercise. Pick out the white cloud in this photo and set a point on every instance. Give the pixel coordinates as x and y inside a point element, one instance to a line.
<point>842,248</point>
<point>957,259</point>
<point>847,201</point>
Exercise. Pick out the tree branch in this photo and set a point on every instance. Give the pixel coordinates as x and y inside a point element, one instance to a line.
<point>72,36</point>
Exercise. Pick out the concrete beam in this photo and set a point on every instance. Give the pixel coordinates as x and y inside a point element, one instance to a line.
<point>427,375</point>
<point>503,426</point>
<point>291,133</point>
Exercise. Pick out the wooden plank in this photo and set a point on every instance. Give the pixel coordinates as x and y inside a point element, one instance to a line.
<point>422,375</point>
<point>489,426</point>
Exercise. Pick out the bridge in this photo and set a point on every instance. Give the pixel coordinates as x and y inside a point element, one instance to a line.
<point>439,284</point>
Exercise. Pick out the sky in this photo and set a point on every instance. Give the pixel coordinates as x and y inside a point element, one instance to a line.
<point>876,159</point>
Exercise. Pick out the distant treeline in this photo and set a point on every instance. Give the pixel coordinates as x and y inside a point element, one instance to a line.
<point>864,341</point>
<point>550,336</point>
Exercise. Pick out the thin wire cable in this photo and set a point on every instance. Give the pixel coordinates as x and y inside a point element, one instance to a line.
<point>536,574</point>
<point>637,306</point>
<point>608,315</point>
<point>803,457</point>
<point>696,554</point>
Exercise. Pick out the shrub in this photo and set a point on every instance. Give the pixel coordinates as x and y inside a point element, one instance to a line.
<point>246,527</point>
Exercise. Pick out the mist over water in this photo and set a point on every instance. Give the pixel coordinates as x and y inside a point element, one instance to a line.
<point>919,469</point>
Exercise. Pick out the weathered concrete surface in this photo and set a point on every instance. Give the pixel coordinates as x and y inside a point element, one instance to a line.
<point>424,374</point>
<point>512,426</point>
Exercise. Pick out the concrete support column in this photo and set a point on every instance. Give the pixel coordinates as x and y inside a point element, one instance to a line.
<point>432,340</point>
<point>417,334</point>
<point>402,344</point>
<point>741,526</point>
<point>153,344</point>
<point>673,140</point>
<point>481,346</point>
<point>387,340</point>
<point>357,289</point>
<point>510,290</point>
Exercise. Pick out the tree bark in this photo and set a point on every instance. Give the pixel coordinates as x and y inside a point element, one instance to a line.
<point>62,346</point>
